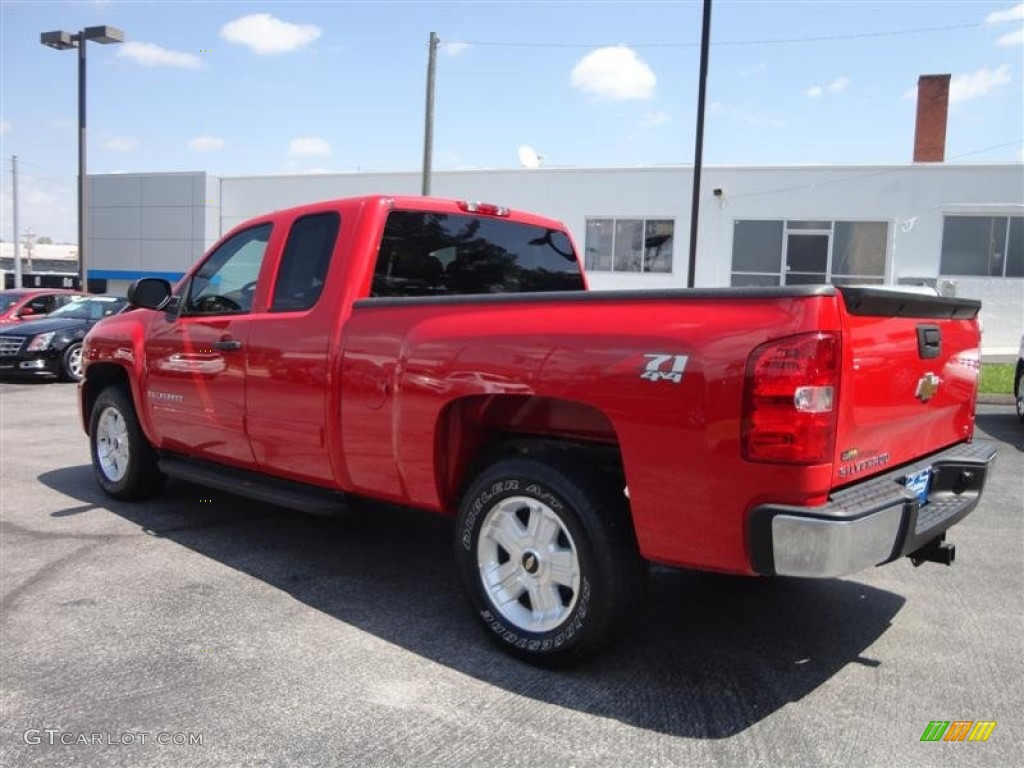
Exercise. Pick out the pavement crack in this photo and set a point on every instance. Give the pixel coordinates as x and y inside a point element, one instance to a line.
<point>47,573</point>
<point>9,528</point>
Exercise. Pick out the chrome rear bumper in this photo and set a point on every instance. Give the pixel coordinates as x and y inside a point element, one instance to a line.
<point>869,523</point>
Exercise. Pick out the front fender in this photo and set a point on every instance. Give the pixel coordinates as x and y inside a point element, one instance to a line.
<point>114,354</point>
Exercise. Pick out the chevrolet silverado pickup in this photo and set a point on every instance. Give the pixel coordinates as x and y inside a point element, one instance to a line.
<point>447,355</point>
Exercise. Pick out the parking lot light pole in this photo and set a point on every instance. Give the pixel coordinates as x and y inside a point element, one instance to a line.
<point>62,41</point>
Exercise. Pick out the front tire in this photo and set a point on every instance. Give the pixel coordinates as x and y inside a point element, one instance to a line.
<point>548,559</point>
<point>1018,390</point>
<point>71,363</point>
<point>123,461</point>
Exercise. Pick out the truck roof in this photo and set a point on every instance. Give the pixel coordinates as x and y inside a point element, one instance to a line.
<point>418,203</point>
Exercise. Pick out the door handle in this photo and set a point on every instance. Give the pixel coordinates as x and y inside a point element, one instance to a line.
<point>227,345</point>
<point>929,341</point>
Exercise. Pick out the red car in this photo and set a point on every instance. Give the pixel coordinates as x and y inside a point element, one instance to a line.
<point>30,303</point>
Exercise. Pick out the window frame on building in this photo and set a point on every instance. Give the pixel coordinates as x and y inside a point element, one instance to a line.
<point>785,233</point>
<point>1012,236</point>
<point>612,258</point>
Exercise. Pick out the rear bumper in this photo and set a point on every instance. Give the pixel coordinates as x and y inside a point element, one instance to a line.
<point>872,522</point>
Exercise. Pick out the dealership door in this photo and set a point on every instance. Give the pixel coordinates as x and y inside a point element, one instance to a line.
<point>806,258</point>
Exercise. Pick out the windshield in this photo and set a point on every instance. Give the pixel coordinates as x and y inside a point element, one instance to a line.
<point>8,299</point>
<point>89,309</point>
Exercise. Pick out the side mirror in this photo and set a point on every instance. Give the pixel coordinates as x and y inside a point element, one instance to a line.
<point>150,293</point>
<point>26,311</point>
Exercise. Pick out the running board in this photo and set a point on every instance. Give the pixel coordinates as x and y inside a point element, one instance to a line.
<point>273,490</point>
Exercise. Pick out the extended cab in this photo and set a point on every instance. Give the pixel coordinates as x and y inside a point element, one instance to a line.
<point>446,355</point>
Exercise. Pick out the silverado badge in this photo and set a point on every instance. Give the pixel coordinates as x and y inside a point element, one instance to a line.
<point>927,386</point>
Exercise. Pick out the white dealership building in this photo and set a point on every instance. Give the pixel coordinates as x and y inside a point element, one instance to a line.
<point>959,228</point>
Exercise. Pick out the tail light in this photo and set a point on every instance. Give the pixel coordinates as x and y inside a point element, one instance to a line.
<point>789,400</point>
<point>486,209</point>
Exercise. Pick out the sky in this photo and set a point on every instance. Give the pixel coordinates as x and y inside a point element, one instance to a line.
<point>254,88</point>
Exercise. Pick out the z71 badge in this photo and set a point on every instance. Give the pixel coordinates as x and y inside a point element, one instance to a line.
<point>665,368</point>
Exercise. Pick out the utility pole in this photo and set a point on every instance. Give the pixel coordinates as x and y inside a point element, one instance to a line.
<point>17,239</point>
<point>428,129</point>
<point>699,151</point>
<point>30,237</point>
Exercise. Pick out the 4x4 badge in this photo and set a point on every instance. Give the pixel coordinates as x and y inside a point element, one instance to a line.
<point>927,386</point>
<point>655,369</point>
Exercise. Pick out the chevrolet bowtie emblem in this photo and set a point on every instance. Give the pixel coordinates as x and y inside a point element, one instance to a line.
<point>927,386</point>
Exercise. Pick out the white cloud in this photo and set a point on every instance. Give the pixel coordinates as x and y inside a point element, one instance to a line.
<point>121,144</point>
<point>1010,14</point>
<point>306,146</point>
<point>206,144</point>
<point>836,86</point>
<point>5,127</point>
<point>40,197</point>
<point>977,84</point>
<point>653,119</point>
<point>453,49</point>
<point>755,118</point>
<point>614,72</point>
<point>152,55</point>
<point>265,34</point>
<point>1013,38</point>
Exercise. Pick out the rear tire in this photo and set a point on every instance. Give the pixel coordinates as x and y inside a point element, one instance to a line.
<point>547,556</point>
<point>123,461</point>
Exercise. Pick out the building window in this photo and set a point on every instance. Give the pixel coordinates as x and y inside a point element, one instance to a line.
<point>629,245</point>
<point>983,246</point>
<point>799,252</point>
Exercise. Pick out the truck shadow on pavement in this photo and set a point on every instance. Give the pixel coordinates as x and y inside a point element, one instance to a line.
<point>1002,426</point>
<point>709,655</point>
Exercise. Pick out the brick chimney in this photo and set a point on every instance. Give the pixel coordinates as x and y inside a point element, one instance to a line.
<point>932,107</point>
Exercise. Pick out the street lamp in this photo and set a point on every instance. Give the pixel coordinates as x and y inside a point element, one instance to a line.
<point>62,41</point>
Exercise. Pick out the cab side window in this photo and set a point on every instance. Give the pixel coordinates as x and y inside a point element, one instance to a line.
<point>225,283</point>
<point>307,255</point>
<point>42,305</point>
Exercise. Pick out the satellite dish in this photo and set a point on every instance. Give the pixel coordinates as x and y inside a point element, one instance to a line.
<point>528,157</point>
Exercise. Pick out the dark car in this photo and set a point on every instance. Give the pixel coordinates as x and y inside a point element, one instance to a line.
<point>1018,381</point>
<point>31,303</point>
<point>52,345</point>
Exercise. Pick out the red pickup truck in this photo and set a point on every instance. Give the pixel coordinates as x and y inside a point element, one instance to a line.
<point>446,355</point>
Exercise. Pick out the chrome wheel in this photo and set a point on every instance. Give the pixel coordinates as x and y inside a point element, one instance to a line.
<point>528,563</point>
<point>75,362</point>
<point>112,449</point>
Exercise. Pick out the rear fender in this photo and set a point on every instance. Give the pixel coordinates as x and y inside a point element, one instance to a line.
<point>476,430</point>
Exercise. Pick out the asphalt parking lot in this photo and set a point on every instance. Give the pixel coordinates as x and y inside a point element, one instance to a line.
<point>275,638</point>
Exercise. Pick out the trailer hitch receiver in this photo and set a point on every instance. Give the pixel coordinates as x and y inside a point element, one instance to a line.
<point>938,550</point>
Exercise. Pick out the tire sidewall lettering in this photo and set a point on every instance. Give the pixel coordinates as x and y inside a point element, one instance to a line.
<point>551,641</point>
<point>481,502</point>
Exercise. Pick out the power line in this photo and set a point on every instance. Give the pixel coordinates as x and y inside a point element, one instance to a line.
<point>869,175</point>
<point>725,43</point>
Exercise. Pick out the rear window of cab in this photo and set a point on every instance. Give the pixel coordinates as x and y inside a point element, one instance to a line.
<point>438,254</point>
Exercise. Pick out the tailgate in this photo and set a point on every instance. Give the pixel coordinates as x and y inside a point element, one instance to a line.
<point>909,379</point>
